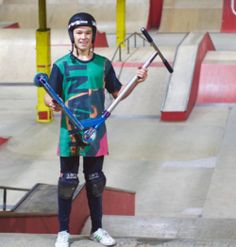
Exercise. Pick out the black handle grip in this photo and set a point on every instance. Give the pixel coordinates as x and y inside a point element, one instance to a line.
<point>169,68</point>
<point>150,40</point>
<point>147,35</point>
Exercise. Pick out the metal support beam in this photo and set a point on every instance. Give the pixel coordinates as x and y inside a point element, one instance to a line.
<point>43,61</point>
<point>120,21</point>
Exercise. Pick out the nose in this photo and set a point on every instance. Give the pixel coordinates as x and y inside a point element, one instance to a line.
<point>83,35</point>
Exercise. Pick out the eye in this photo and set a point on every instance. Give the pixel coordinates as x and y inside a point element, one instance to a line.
<point>89,32</point>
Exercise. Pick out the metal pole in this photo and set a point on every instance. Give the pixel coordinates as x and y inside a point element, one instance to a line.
<point>130,84</point>
<point>120,22</point>
<point>4,206</point>
<point>128,47</point>
<point>43,61</point>
<point>119,52</point>
<point>42,15</point>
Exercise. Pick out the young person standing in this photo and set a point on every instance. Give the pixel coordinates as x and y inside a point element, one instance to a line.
<point>80,78</point>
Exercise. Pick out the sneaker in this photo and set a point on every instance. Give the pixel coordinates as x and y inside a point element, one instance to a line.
<point>101,236</point>
<point>62,239</point>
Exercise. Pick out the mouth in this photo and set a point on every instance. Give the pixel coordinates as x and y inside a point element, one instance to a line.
<point>83,42</point>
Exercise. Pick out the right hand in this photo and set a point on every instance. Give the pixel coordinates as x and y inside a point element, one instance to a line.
<point>53,105</point>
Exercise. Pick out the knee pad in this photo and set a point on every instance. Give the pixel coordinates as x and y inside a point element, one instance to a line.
<point>95,183</point>
<point>67,185</point>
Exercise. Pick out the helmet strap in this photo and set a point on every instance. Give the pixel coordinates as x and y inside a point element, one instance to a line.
<point>74,47</point>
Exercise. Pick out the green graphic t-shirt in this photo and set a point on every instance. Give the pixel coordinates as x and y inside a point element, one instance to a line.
<point>81,84</point>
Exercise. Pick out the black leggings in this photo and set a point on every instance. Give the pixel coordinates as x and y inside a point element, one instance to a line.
<point>90,165</point>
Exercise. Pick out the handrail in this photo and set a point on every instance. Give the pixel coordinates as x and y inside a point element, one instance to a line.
<point>5,188</point>
<point>127,40</point>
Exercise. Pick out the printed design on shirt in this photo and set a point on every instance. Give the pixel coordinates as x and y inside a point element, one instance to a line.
<point>83,101</point>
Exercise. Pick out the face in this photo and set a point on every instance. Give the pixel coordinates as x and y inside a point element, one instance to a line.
<point>83,38</point>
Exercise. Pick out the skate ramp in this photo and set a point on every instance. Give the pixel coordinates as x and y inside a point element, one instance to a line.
<point>147,97</point>
<point>217,78</point>
<point>9,24</point>
<point>229,16</point>
<point>22,43</point>
<point>21,66</point>
<point>37,211</point>
<point>191,16</point>
<point>183,84</point>
<point>42,198</point>
<point>25,12</point>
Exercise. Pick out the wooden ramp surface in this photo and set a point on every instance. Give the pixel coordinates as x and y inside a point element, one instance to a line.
<point>41,199</point>
<point>188,16</point>
<point>25,12</point>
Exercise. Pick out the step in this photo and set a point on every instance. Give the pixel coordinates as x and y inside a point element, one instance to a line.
<point>153,227</point>
<point>143,231</point>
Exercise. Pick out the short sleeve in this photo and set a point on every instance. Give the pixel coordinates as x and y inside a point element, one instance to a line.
<point>112,83</point>
<point>56,79</point>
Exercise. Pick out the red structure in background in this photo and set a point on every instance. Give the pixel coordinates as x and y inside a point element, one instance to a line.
<point>154,17</point>
<point>217,83</point>
<point>204,46</point>
<point>101,39</point>
<point>11,25</point>
<point>3,140</point>
<point>229,16</point>
<point>116,202</point>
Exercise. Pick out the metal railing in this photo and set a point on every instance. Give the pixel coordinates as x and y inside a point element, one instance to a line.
<point>127,42</point>
<point>5,189</point>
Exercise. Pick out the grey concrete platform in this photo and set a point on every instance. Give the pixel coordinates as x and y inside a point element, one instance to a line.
<point>133,231</point>
<point>29,240</point>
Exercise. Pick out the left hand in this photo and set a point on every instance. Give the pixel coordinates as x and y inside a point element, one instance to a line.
<point>142,74</point>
